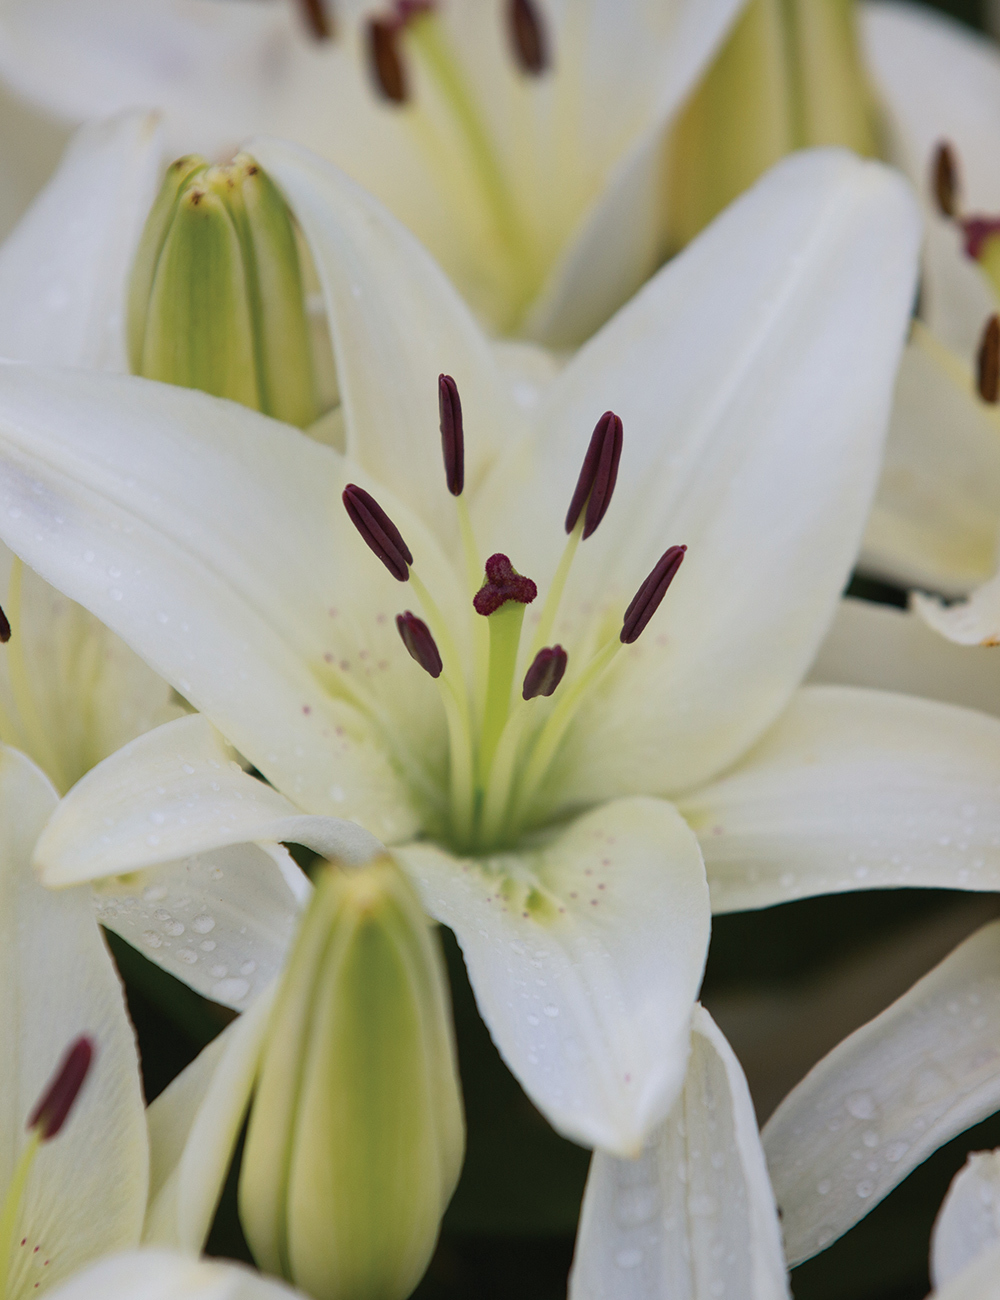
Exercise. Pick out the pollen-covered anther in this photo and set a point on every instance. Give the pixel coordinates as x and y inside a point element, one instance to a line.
<point>988,362</point>
<point>452,434</point>
<point>647,599</point>
<point>945,179</point>
<point>528,37</point>
<point>598,475</point>
<point>503,583</point>
<point>422,647</point>
<point>4,628</point>
<point>317,16</point>
<point>546,672</point>
<point>378,530</point>
<point>57,1100</point>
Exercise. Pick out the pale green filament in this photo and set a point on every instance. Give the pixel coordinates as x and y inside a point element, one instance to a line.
<point>505,637</point>
<point>551,607</point>
<point>474,577</point>
<point>12,1206</point>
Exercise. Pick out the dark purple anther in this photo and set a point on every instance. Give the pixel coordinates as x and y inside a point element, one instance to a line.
<point>546,672</point>
<point>527,36</point>
<point>646,600</point>
<point>317,18</point>
<point>977,231</point>
<point>378,530</point>
<point>598,475</point>
<point>418,640</point>
<point>57,1100</point>
<point>503,583</point>
<point>4,628</point>
<point>988,362</point>
<point>945,180</point>
<point>385,60</point>
<point>452,434</point>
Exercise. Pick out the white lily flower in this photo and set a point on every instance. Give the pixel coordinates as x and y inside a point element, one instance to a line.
<point>161,1275</point>
<point>541,195</point>
<point>965,1242</point>
<point>224,557</point>
<point>694,1214</point>
<point>83,1194</point>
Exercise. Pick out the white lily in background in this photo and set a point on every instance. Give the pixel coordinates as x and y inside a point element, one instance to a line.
<point>162,1275</point>
<point>541,194</point>
<point>965,1242</point>
<point>82,1194</point>
<point>284,638</point>
<point>694,1215</point>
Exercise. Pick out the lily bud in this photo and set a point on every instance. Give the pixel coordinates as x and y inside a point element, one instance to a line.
<point>356,1135</point>
<point>216,300</point>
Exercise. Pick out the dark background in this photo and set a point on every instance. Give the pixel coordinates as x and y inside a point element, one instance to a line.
<point>819,968</point>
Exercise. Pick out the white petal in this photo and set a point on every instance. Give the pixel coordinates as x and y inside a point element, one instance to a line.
<point>890,649</point>
<point>397,324</point>
<point>585,956</point>
<point>87,1190</point>
<point>937,511</point>
<point>162,1275</point>
<point>968,1223</point>
<point>175,791</point>
<point>728,372</point>
<point>693,1217</point>
<point>854,789</point>
<point>956,296</point>
<point>193,1128</point>
<point>214,542</point>
<point>64,270</point>
<point>897,1089</point>
<point>977,1282</point>
<point>972,622</point>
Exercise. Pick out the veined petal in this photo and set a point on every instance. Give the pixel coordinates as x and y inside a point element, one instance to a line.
<point>897,1089</point>
<point>64,269</point>
<point>854,789</point>
<point>213,540</point>
<point>86,1193</point>
<point>936,515</point>
<point>585,956</point>
<point>193,1128</point>
<point>163,1275</point>
<point>891,649</point>
<point>397,323</point>
<point>968,1223</point>
<point>694,1215</point>
<point>728,372</point>
<point>179,790</point>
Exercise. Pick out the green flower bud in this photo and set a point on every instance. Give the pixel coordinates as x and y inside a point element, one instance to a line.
<point>356,1134</point>
<point>216,299</point>
<point>789,76</point>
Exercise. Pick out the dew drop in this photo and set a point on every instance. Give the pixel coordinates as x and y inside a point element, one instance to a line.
<point>864,1189</point>
<point>219,972</point>
<point>174,928</point>
<point>870,1138</point>
<point>861,1105</point>
<point>824,1186</point>
<point>154,893</point>
<point>208,945</point>
<point>248,968</point>
<point>187,955</point>
<point>550,1011</point>
<point>628,1258</point>
<point>203,924</point>
<point>151,938</point>
<point>230,990</point>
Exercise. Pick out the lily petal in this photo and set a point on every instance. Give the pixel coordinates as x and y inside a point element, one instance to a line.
<point>224,557</point>
<point>585,956</point>
<point>174,791</point>
<point>975,621</point>
<point>193,1128</point>
<point>162,1275</point>
<point>854,789</point>
<point>890,649</point>
<point>967,1225</point>
<point>977,1282</point>
<point>897,1089</point>
<point>58,982</point>
<point>694,1215</point>
<point>937,511</point>
<point>65,267</point>
<point>736,416</point>
<point>387,298</point>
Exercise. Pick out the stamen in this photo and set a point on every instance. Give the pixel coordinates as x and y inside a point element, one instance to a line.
<point>528,36</point>
<point>4,628</point>
<point>317,18</point>
<point>385,61</point>
<point>945,180</point>
<point>647,599</point>
<point>598,475</point>
<point>988,362</point>
<point>421,645</point>
<point>503,583</point>
<point>56,1102</point>
<point>378,531</point>
<point>546,672</point>
<point>452,434</point>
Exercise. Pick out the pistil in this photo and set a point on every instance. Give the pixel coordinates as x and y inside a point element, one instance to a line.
<point>502,600</point>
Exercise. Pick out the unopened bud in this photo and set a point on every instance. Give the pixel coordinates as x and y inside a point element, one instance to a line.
<point>216,300</point>
<point>356,1135</point>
